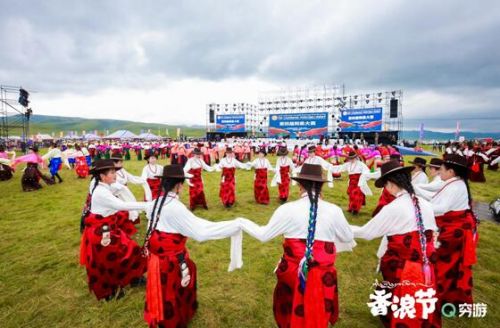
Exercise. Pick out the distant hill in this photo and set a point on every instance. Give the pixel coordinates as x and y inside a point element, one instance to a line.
<point>433,135</point>
<point>56,124</point>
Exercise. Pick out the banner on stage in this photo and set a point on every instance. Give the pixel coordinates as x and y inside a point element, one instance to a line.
<point>230,123</point>
<point>298,125</point>
<point>361,120</point>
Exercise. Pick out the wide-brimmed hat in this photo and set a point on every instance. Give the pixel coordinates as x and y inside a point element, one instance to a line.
<point>117,157</point>
<point>310,172</point>
<point>419,161</point>
<point>282,151</point>
<point>197,151</point>
<point>456,160</point>
<point>389,168</point>
<point>311,148</point>
<point>435,162</point>
<point>174,171</point>
<point>102,165</point>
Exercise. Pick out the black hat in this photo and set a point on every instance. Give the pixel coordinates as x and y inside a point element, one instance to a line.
<point>262,150</point>
<point>117,157</point>
<point>352,155</point>
<point>435,162</point>
<point>174,171</point>
<point>389,168</point>
<point>103,164</point>
<point>34,148</point>
<point>197,151</point>
<point>310,172</point>
<point>311,149</point>
<point>229,150</point>
<point>282,151</point>
<point>396,157</point>
<point>456,160</point>
<point>419,161</point>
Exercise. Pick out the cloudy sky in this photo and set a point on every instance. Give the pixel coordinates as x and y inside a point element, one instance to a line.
<point>162,61</point>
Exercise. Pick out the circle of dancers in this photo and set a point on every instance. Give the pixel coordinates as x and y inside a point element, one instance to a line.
<point>424,218</point>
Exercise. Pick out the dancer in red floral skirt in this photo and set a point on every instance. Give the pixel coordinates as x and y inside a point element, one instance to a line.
<point>355,168</point>
<point>111,258</point>
<point>81,168</point>
<point>150,173</point>
<point>171,299</point>
<point>457,233</point>
<point>306,293</point>
<point>386,197</point>
<point>228,167</point>
<point>408,254</point>
<point>194,166</point>
<point>262,166</point>
<point>284,168</point>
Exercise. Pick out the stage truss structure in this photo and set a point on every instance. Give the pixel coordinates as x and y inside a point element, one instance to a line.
<point>14,118</point>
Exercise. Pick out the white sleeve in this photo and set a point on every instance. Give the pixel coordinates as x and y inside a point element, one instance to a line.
<point>200,229</point>
<point>496,161</point>
<point>144,174</point>
<point>187,167</point>
<point>118,205</point>
<point>343,232</point>
<point>134,179</point>
<point>240,165</point>
<point>378,226</point>
<point>277,225</point>
<point>206,167</point>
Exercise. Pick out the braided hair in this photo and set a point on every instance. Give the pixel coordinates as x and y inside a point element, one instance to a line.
<point>167,185</point>
<point>403,181</point>
<point>313,190</point>
<point>97,178</point>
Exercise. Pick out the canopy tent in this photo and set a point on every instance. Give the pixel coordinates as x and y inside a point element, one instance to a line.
<point>122,134</point>
<point>413,152</point>
<point>148,136</point>
<point>43,137</point>
<point>90,136</point>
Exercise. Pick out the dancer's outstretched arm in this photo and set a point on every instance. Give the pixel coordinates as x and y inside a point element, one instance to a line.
<point>277,225</point>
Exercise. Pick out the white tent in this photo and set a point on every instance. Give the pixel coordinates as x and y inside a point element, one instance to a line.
<point>43,137</point>
<point>90,136</point>
<point>122,134</point>
<point>148,136</point>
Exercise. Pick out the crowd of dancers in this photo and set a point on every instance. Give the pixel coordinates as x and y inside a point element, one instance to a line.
<point>423,215</point>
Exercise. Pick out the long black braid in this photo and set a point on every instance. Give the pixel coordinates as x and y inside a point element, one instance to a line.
<point>403,181</point>
<point>167,185</point>
<point>313,190</point>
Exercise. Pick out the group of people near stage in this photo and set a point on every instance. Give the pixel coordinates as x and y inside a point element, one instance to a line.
<point>427,228</point>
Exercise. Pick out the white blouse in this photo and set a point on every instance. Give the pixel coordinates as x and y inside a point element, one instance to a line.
<point>196,163</point>
<point>152,171</point>
<point>428,190</point>
<point>105,203</point>
<point>282,161</point>
<point>419,178</point>
<point>451,197</point>
<point>397,217</point>
<point>261,163</point>
<point>292,219</point>
<point>176,218</point>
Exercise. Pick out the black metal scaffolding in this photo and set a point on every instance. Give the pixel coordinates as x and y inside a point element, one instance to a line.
<point>14,117</point>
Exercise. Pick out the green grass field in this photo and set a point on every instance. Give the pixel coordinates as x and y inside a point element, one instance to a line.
<point>42,284</point>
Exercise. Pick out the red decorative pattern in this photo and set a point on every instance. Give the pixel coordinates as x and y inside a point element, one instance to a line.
<point>196,193</point>
<point>260,189</point>
<point>356,196</point>
<point>284,186</point>
<point>228,186</point>
<point>385,198</point>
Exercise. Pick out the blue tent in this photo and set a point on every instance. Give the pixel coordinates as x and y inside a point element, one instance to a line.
<point>412,152</point>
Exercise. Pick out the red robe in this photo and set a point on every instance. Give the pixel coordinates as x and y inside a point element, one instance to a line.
<point>228,186</point>
<point>112,266</point>
<point>155,186</point>
<point>403,261</point>
<point>284,186</point>
<point>356,196</point>
<point>167,302</point>
<point>260,189</point>
<point>385,198</point>
<point>476,169</point>
<point>456,255</point>
<point>82,170</point>
<point>196,193</point>
<point>318,305</point>
<point>123,222</point>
